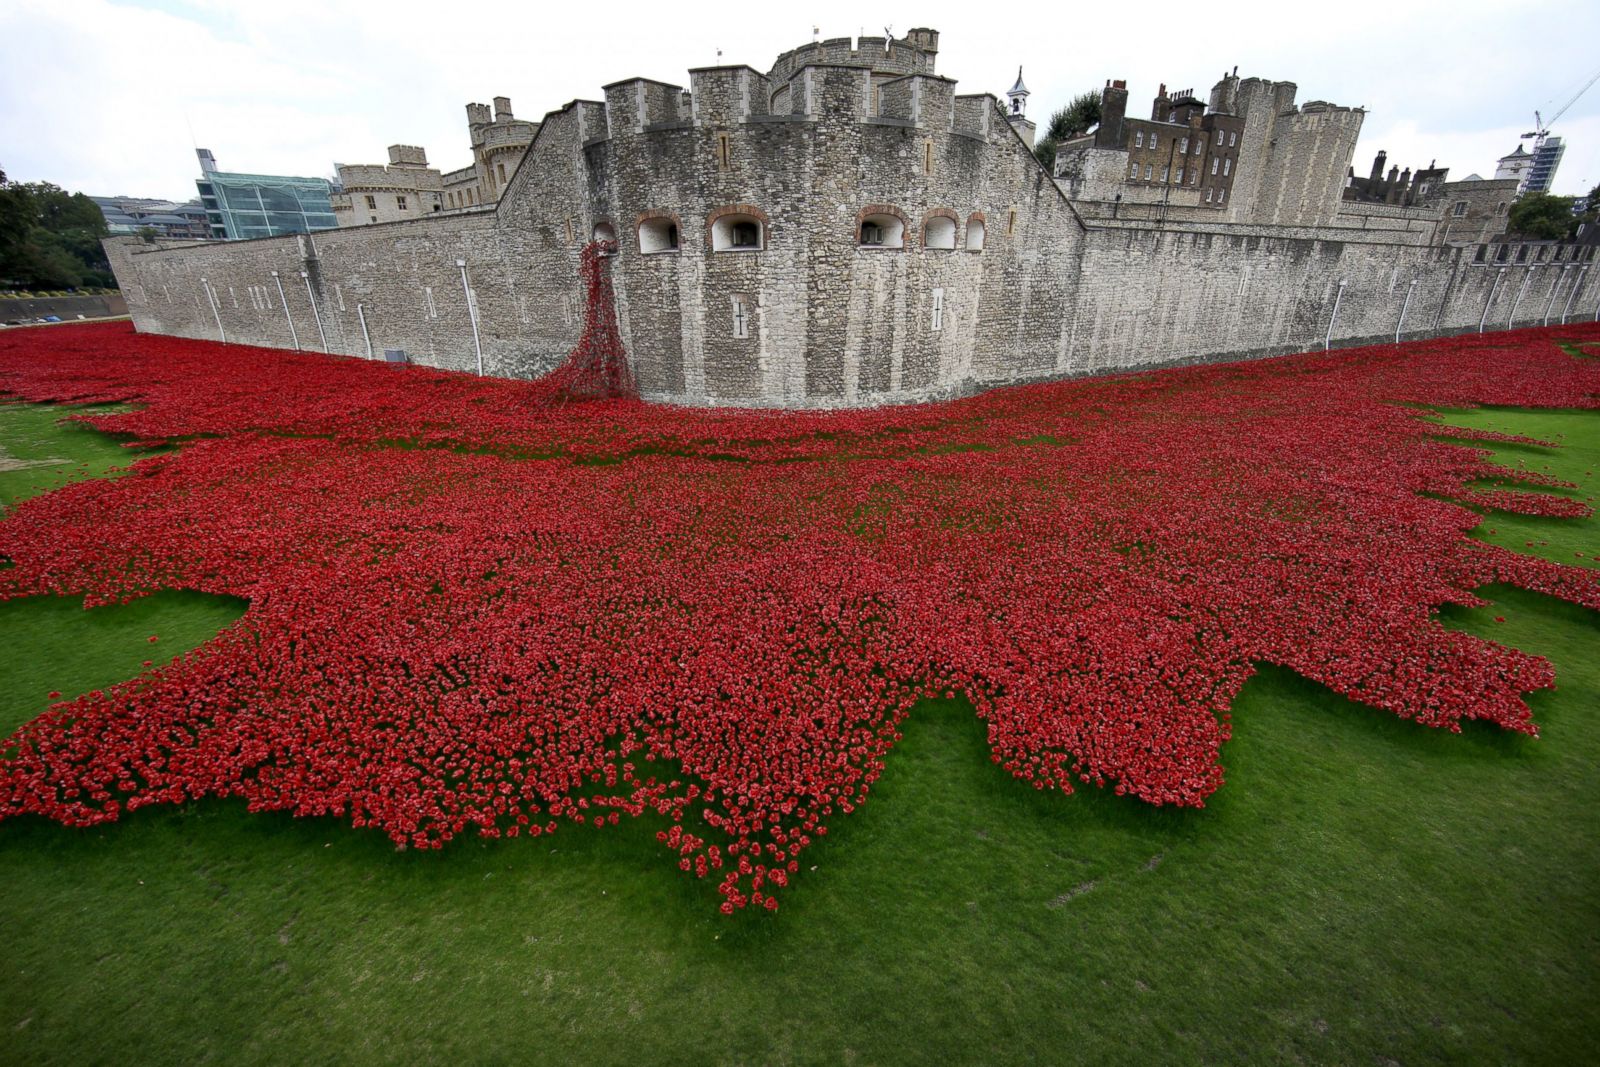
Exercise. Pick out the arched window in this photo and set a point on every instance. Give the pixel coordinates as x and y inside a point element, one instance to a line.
<point>976,230</point>
<point>658,233</point>
<point>736,231</point>
<point>939,233</point>
<point>882,230</point>
<point>604,231</point>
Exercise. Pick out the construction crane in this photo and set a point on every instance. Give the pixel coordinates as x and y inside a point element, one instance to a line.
<point>1541,128</point>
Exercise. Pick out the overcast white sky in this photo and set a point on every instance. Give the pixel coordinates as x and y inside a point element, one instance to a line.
<point>101,96</point>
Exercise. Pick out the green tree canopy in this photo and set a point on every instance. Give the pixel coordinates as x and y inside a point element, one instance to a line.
<point>50,238</point>
<point>1073,120</point>
<point>1542,217</point>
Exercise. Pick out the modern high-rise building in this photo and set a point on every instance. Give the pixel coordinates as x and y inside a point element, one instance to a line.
<point>243,206</point>
<point>1546,158</point>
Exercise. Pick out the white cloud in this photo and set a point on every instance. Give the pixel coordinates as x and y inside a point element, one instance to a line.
<point>99,96</point>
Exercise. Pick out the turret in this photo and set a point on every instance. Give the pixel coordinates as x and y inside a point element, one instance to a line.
<point>1017,113</point>
<point>1018,95</point>
<point>407,155</point>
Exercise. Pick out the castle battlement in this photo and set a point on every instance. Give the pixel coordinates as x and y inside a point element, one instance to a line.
<point>849,230</point>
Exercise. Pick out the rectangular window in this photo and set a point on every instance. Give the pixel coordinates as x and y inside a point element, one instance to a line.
<point>400,202</point>
<point>1233,139</point>
<point>1227,166</point>
<point>372,203</point>
<point>1183,146</point>
<point>1138,139</point>
<point>938,309</point>
<point>741,316</point>
<point>724,151</point>
<point>1215,162</point>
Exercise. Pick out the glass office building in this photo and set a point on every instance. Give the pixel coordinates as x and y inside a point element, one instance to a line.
<point>242,206</point>
<point>1546,158</point>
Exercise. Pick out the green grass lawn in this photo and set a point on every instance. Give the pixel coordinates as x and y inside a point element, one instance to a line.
<point>1362,890</point>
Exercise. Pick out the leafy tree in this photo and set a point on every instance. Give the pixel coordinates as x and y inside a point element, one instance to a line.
<point>1073,120</point>
<point>1542,217</point>
<point>50,238</point>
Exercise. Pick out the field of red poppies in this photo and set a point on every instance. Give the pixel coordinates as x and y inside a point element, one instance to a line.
<point>474,607</point>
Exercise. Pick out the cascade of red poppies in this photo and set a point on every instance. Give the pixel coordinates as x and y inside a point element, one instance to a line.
<point>598,367</point>
<point>531,616</point>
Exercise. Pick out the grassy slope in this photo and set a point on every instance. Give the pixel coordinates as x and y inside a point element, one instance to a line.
<point>55,646</point>
<point>1362,889</point>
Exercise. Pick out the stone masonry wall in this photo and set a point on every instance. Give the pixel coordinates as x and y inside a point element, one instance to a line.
<point>810,317</point>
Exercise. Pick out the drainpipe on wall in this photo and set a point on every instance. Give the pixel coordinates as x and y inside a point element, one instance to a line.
<point>1525,282</point>
<point>211,298</point>
<point>472,313</point>
<point>1554,289</point>
<point>1401,324</point>
<point>315,313</point>
<point>1575,287</point>
<point>284,300</point>
<point>1499,276</point>
<point>1327,341</point>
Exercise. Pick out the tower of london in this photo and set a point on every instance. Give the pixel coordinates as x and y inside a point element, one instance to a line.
<point>847,228</point>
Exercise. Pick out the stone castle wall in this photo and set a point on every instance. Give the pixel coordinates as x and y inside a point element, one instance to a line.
<point>1026,288</point>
